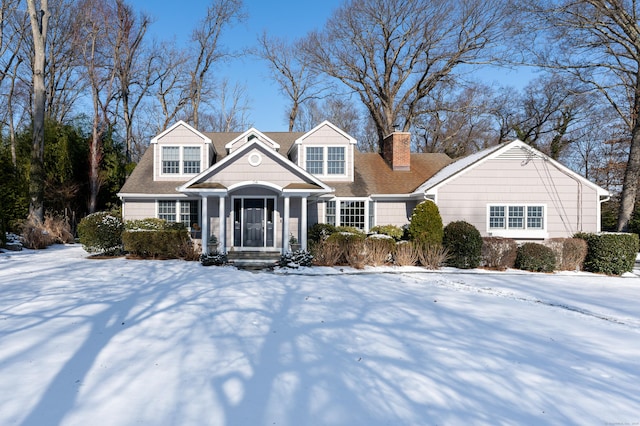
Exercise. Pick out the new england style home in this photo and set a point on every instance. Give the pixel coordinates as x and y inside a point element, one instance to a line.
<point>257,191</point>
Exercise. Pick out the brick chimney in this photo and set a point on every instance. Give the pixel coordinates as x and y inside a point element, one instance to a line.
<point>396,151</point>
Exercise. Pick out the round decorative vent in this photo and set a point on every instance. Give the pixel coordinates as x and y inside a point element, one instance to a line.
<point>255,159</point>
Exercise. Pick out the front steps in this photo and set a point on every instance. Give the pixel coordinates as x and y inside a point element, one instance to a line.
<point>253,260</point>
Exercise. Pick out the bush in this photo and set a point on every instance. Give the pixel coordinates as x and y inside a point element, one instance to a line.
<point>157,238</point>
<point>326,252</point>
<point>101,232</point>
<point>296,259</point>
<point>464,245</point>
<point>320,232</point>
<point>213,259</point>
<point>432,256</point>
<point>405,254</point>
<point>535,257</point>
<point>425,227</point>
<point>499,253</point>
<point>393,231</point>
<point>570,253</point>
<point>379,249</point>
<point>611,254</point>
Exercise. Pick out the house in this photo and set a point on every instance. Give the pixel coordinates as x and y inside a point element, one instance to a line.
<point>256,191</point>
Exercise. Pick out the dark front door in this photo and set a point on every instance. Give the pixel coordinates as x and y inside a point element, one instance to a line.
<point>253,222</point>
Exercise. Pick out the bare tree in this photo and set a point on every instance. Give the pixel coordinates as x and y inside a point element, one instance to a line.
<point>230,113</point>
<point>393,53</point>
<point>598,42</point>
<point>172,89</point>
<point>39,17</point>
<point>291,72</point>
<point>220,14</point>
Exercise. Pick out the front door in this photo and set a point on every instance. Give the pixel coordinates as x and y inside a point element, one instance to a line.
<point>253,222</point>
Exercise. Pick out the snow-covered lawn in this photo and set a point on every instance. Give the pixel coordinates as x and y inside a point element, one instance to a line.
<point>124,342</point>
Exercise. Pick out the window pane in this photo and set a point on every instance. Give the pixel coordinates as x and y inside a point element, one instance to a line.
<point>191,159</point>
<point>534,217</point>
<point>335,160</point>
<point>170,159</point>
<point>516,217</point>
<point>496,217</point>
<point>331,213</point>
<point>352,214</point>
<point>315,160</point>
<point>167,210</point>
<point>189,214</point>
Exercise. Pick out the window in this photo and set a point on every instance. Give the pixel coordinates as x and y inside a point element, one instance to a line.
<point>170,159</point>
<point>191,159</point>
<point>335,163</point>
<point>167,210</point>
<point>516,217</point>
<point>354,213</point>
<point>335,160</point>
<point>189,214</point>
<point>315,160</point>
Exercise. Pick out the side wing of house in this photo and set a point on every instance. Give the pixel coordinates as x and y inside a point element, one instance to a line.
<point>518,192</point>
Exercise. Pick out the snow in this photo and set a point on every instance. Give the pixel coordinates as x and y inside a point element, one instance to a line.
<point>130,342</point>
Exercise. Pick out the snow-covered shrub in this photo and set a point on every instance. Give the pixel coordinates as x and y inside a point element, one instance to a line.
<point>498,253</point>
<point>326,252</point>
<point>379,249</point>
<point>425,226</point>
<point>213,259</point>
<point>535,257</point>
<point>405,253</point>
<point>320,232</point>
<point>432,256</point>
<point>393,231</point>
<point>101,232</point>
<point>464,245</point>
<point>296,259</point>
<point>351,243</point>
<point>610,253</point>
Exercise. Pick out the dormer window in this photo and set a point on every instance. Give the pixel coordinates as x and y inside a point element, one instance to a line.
<point>334,164</point>
<point>181,160</point>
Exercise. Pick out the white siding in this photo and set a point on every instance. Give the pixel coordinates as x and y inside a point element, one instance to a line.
<point>139,209</point>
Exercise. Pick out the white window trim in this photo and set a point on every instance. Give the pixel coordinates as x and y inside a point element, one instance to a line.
<point>178,205</point>
<point>181,173</point>
<point>325,160</point>
<point>367,201</point>
<point>516,233</point>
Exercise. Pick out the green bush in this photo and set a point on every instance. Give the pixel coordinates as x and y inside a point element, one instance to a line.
<point>320,232</point>
<point>425,227</point>
<point>101,232</point>
<point>611,254</point>
<point>464,245</point>
<point>535,257</point>
<point>393,231</point>
<point>157,244</point>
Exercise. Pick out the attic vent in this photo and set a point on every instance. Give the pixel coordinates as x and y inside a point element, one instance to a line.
<point>251,137</point>
<point>515,153</point>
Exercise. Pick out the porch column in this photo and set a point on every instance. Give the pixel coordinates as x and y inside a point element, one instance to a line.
<point>285,226</point>
<point>222,241</point>
<point>205,225</point>
<point>303,223</point>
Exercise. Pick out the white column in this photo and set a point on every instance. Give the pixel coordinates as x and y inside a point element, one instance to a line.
<point>285,226</point>
<point>222,241</point>
<point>205,225</point>
<point>303,223</point>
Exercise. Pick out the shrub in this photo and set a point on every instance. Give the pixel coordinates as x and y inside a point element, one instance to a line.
<point>405,254</point>
<point>535,257</point>
<point>156,244</point>
<point>432,256</point>
<point>379,249</point>
<point>296,259</point>
<point>354,252</point>
<point>34,235</point>
<point>326,252</point>
<point>611,254</point>
<point>101,232</point>
<point>213,259</point>
<point>393,231</point>
<point>320,232</point>
<point>464,245</point>
<point>499,253</point>
<point>58,227</point>
<point>570,253</point>
<point>425,227</point>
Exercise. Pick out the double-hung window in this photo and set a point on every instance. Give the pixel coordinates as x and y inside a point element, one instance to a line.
<point>186,212</point>
<point>353,213</point>
<point>326,160</point>
<point>335,160</point>
<point>315,160</point>
<point>516,217</point>
<point>180,160</point>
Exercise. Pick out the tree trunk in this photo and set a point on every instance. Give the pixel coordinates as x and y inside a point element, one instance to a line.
<point>632,172</point>
<point>39,21</point>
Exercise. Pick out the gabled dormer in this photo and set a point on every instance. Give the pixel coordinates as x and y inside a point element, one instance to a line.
<point>325,151</point>
<point>249,136</point>
<point>180,153</point>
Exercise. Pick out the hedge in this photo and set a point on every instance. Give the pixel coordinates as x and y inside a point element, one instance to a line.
<point>610,253</point>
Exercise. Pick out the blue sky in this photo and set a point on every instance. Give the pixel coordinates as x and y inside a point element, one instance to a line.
<point>284,18</point>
